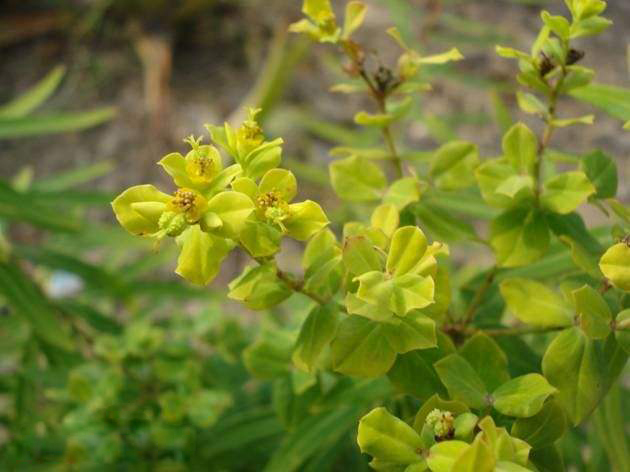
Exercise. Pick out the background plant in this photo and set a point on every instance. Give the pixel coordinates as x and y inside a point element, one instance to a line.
<point>396,313</point>
<point>290,419</point>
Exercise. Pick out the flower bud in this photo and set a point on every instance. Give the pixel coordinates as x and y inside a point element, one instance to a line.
<point>442,423</point>
<point>172,223</point>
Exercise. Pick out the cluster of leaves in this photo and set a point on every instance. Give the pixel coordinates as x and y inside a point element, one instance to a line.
<point>145,396</point>
<point>385,301</point>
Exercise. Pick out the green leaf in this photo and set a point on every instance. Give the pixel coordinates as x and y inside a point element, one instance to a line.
<point>615,265</point>
<point>322,246</point>
<point>407,247</point>
<point>490,175</point>
<point>20,206</point>
<point>580,120</point>
<point>523,396</point>
<point>602,173</point>
<point>23,296</point>
<point>415,331</point>
<point>558,24</point>
<point>542,429</point>
<point>461,381</point>
<point>206,406</point>
<point>403,191</point>
<point>519,236</point>
<point>131,217</point>
<point>259,288</point>
<point>361,349</point>
<point>414,365</point>
<point>506,466</point>
<point>201,255</point>
<point>381,120</point>
<point>385,217</point>
<point>535,304</point>
<point>360,256</point>
<point>233,208</point>
<point>443,455</point>
<point>529,103</point>
<point>356,306</point>
<point>488,360</point>
<point>452,54</point>
<point>388,438</point>
<point>595,315</point>
<point>441,224</point>
<point>400,294</point>
<point>306,219</point>
<point>577,76</point>
<point>357,179</point>
<point>464,425</point>
<point>477,458</point>
<point>573,225</point>
<point>322,263</point>
<point>511,53</point>
<point>453,164</point>
<point>589,26</point>
<point>623,335</point>
<point>260,239</point>
<point>34,96</point>
<point>269,356</point>
<point>324,279</point>
<point>262,159</point>
<point>571,365</point>
<point>317,10</point>
<point>520,148</point>
<point>516,185</point>
<point>582,258</point>
<point>54,123</point>
<point>316,333</point>
<point>355,14</point>
<point>548,459</point>
<point>613,100</point>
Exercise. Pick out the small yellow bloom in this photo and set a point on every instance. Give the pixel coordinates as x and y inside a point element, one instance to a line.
<point>190,203</point>
<point>250,135</point>
<point>272,207</point>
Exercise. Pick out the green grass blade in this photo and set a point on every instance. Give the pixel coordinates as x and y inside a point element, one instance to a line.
<point>57,123</point>
<point>33,97</point>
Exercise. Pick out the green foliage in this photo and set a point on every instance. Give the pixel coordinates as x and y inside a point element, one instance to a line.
<point>443,366</point>
<point>16,120</point>
<point>384,300</point>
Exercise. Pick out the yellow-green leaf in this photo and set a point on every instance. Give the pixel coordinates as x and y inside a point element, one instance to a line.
<point>615,265</point>
<point>137,222</point>
<point>535,304</point>
<point>201,255</point>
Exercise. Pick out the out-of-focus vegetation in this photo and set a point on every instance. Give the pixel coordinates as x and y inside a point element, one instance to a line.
<point>108,363</point>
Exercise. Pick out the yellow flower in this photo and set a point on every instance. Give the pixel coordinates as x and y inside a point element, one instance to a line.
<point>272,207</point>
<point>203,163</point>
<point>190,203</point>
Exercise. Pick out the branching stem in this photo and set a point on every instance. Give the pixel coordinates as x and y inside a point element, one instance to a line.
<point>479,294</point>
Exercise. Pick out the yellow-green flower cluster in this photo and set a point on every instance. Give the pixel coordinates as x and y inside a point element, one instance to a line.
<point>214,209</point>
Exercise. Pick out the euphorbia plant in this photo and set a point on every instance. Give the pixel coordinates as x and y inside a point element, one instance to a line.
<point>386,301</point>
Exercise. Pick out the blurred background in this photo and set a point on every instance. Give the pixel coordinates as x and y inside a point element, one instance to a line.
<point>92,94</point>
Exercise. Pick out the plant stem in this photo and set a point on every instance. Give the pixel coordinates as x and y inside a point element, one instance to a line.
<point>298,286</point>
<point>391,145</point>
<point>479,294</point>
<point>549,129</point>
<point>380,97</point>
